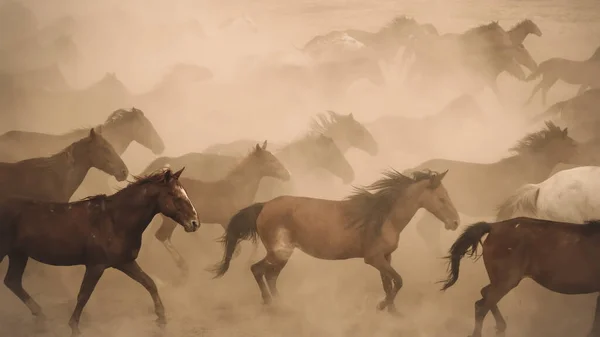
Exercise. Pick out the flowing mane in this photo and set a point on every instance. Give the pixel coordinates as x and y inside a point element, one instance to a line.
<point>323,122</point>
<point>371,205</point>
<point>483,28</point>
<point>525,22</point>
<point>537,141</point>
<point>399,22</point>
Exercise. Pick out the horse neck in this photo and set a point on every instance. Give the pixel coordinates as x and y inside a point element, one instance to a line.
<point>406,206</point>
<point>246,178</point>
<point>119,136</point>
<point>337,133</point>
<point>518,34</point>
<point>72,165</point>
<point>536,167</point>
<point>137,207</point>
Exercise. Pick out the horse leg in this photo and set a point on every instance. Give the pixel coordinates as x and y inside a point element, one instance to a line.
<point>164,234</point>
<point>90,280</point>
<point>14,281</point>
<point>430,233</point>
<point>259,270</point>
<point>383,264</point>
<point>595,332</point>
<point>388,287</point>
<point>547,85</point>
<point>133,270</point>
<point>491,295</point>
<point>272,274</point>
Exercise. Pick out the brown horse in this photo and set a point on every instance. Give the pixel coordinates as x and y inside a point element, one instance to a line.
<point>99,232</point>
<point>55,178</point>
<point>535,156</point>
<point>219,201</point>
<point>121,128</point>
<point>561,257</point>
<point>584,73</point>
<point>365,225</point>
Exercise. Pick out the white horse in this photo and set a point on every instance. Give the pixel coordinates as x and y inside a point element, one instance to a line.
<point>572,196</point>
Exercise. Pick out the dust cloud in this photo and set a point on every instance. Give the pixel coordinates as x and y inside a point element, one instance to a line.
<point>243,43</point>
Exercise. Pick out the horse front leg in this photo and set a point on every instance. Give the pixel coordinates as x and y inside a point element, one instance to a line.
<point>383,264</point>
<point>90,280</point>
<point>133,270</point>
<point>164,234</point>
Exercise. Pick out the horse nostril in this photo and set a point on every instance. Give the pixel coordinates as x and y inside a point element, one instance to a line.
<point>195,224</point>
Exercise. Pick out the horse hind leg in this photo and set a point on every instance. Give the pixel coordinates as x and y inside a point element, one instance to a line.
<point>14,281</point>
<point>491,295</point>
<point>164,234</point>
<point>259,270</point>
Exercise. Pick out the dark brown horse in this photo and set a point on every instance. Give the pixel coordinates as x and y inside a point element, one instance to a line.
<point>218,201</point>
<point>479,188</point>
<point>99,232</point>
<point>365,225</point>
<point>561,257</point>
<point>55,178</point>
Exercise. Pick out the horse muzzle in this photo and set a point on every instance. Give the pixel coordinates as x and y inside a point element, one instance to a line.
<point>191,226</point>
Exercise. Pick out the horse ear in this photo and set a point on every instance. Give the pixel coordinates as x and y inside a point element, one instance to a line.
<point>92,133</point>
<point>565,132</point>
<point>177,174</point>
<point>436,179</point>
<point>257,147</point>
<point>264,146</point>
<point>351,116</point>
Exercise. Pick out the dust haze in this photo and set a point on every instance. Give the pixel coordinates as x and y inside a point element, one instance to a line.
<point>126,48</point>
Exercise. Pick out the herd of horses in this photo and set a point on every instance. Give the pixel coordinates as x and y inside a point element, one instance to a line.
<point>543,196</point>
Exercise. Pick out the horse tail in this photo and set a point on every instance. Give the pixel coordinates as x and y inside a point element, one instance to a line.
<point>242,226</point>
<point>466,243</point>
<point>523,200</point>
<point>541,69</point>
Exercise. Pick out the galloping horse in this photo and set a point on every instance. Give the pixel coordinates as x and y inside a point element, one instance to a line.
<point>99,232</point>
<point>559,256</point>
<point>535,157</point>
<point>218,201</point>
<point>584,73</point>
<point>365,225</point>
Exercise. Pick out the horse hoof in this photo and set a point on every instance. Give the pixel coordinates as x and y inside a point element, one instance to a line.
<point>382,305</point>
<point>161,322</point>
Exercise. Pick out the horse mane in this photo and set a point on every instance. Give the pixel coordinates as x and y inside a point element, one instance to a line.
<point>483,28</point>
<point>371,205</point>
<point>150,178</point>
<point>122,115</point>
<point>398,22</point>
<point>520,24</point>
<point>536,141</point>
<point>323,122</point>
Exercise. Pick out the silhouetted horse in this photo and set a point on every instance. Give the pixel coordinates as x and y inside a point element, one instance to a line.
<point>478,189</point>
<point>218,201</point>
<point>561,257</point>
<point>365,225</point>
<point>99,232</point>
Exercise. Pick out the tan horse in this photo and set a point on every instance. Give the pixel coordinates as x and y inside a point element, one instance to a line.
<point>584,73</point>
<point>365,225</point>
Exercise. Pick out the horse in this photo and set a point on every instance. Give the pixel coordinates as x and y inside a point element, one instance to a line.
<point>462,115</point>
<point>522,29</point>
<point>300,157</point>
<point>535,156</point>
<point>384,43</point>
<point>218,201</point>
<point>559,256</point>
<point>55,178</point>
<point>120,129</point>
<point>99,232</point>
<point>366,225</point>
<point>578,113</point>
<point>345,131</point>
<point>584,73</point>
<point>337,45</point>
<point>567,196</point>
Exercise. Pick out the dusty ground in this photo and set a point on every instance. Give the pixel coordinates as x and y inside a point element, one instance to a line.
<point>319,298</point>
